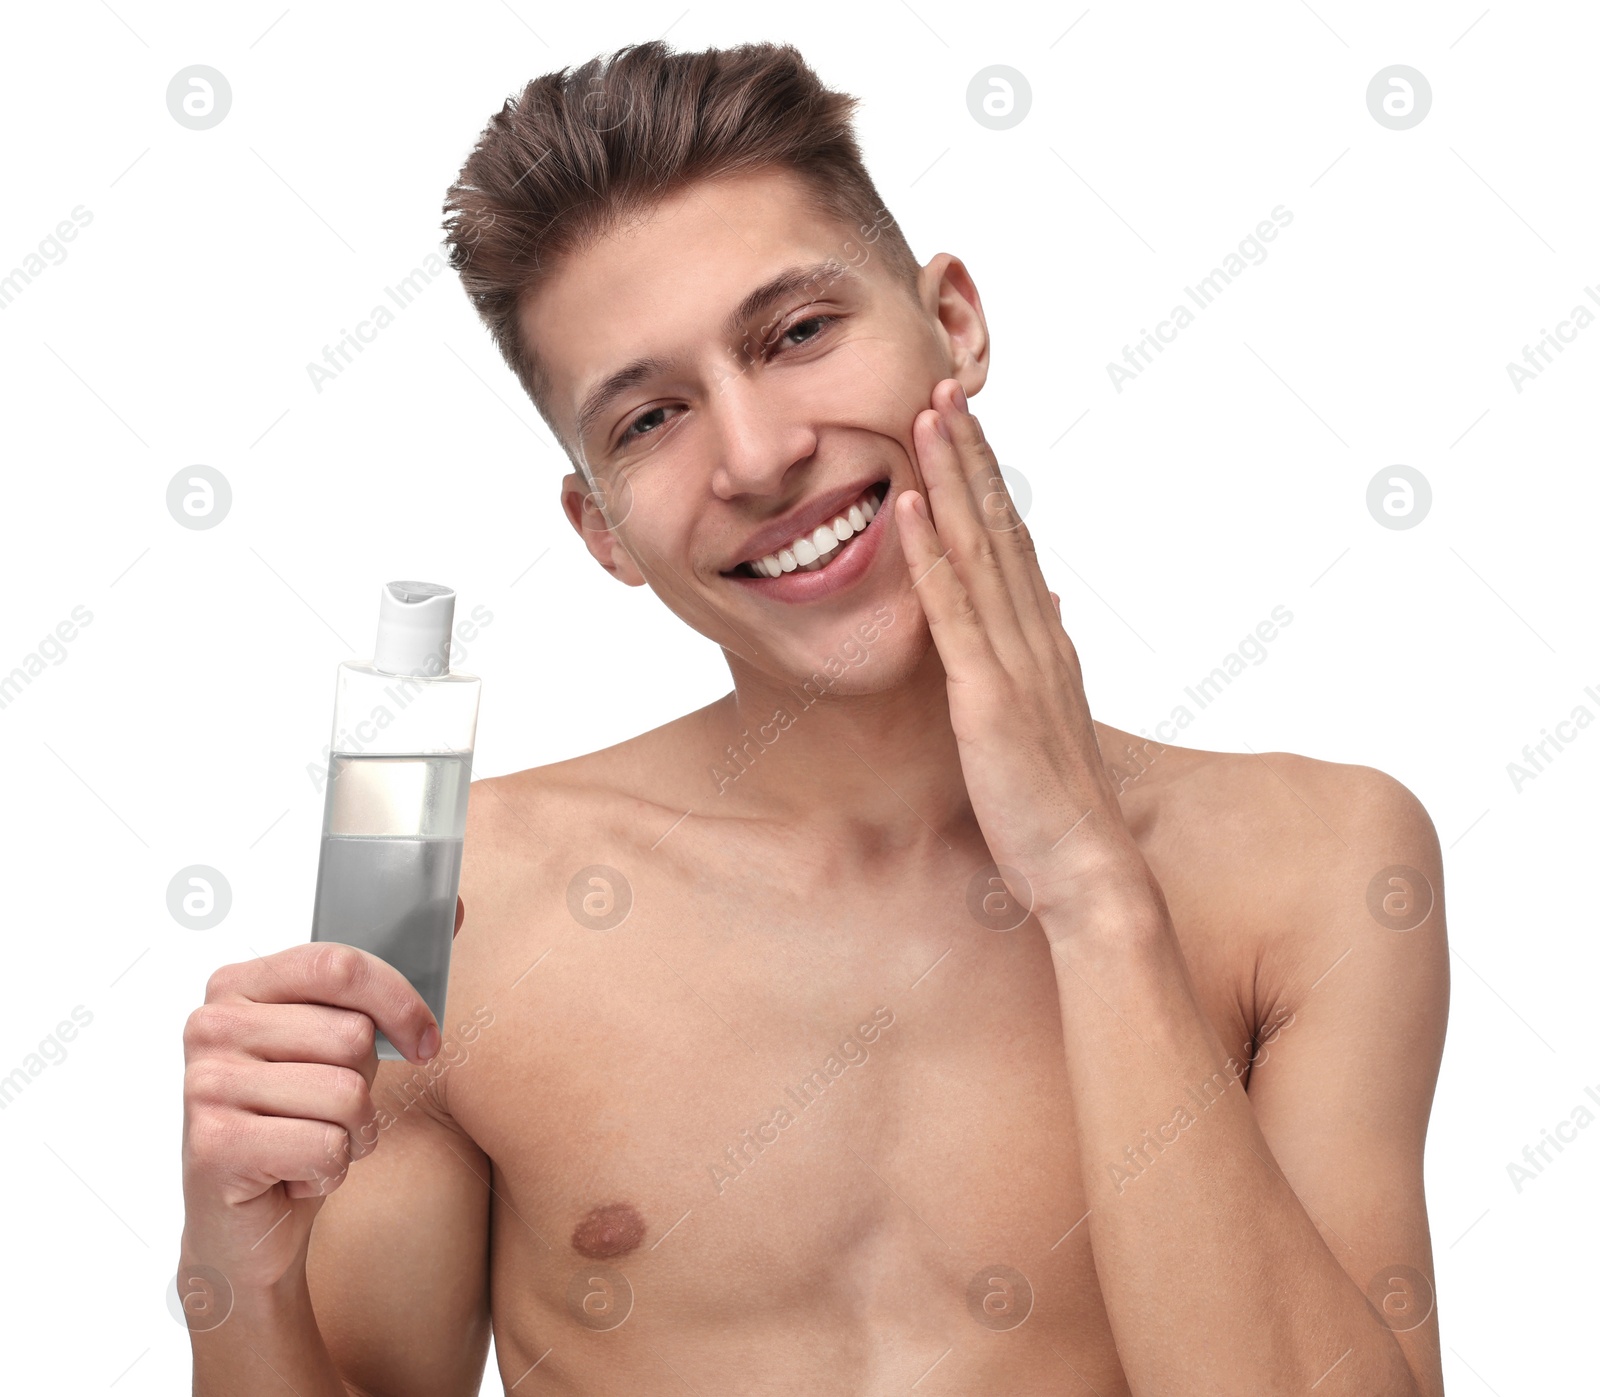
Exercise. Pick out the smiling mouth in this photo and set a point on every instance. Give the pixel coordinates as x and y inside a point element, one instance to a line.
<point>823,545</point>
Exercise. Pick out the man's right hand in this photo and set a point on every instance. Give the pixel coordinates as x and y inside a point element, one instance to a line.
<point>277,1098</point>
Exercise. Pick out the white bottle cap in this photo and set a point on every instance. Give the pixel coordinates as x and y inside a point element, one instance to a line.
<point>414,620</point>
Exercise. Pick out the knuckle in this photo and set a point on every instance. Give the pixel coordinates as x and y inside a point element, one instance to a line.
<point>356,1033</point>
<point>221,981</point>
<point>212,1138</point>
<point>199,1029</point>
<point>998,514</point>
<point>365,1140</point>
<point>335,1148</point>
<point>993,504</point>
<point>337,966</point>
<point>210,1028</point>
<point>206,1082</point>
<point>347,1092</point>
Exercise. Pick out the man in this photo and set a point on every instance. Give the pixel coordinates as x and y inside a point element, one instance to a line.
<point>890,1024</point>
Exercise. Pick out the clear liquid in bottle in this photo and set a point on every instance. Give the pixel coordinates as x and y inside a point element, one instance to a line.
<point>391,864</point>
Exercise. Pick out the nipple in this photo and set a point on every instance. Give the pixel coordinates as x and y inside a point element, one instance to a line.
<point>609,1230</point>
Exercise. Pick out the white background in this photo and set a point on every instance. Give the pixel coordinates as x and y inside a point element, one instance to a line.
<point>1230,478</point>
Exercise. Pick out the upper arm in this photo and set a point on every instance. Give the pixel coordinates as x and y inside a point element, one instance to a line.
<point>398,1259</point>
<point>1359,988</point>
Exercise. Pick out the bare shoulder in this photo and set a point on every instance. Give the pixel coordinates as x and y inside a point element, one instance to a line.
<point>530,831</point>
<point>595,794</point>
<point>1300,856</point>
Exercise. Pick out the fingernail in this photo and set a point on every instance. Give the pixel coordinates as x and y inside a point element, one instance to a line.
<point>961,397</point>
<point>942,427</point>
<point>918,505</point>
<point>430,1042</point>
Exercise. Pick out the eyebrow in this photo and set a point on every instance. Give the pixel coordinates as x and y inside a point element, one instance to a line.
<point>636,371</point>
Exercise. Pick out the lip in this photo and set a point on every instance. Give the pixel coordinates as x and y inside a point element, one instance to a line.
<point>861,550</point>
<point>806,520</point>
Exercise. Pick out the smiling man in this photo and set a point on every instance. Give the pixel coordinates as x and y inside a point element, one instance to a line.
<point>889,1024</point>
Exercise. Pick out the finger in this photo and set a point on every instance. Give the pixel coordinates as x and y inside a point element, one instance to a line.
<point>1016,557</point>
<point>285,1033</point>
<point>329,972</point>
<point>1057,601</point>
<point>311,1091</point>
<point>963,645</point>
<point>972,549</point>
<point>273,1148</point>
<point>461,916</point>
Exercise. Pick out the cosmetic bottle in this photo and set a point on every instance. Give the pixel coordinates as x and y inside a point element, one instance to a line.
<point>399,770</point>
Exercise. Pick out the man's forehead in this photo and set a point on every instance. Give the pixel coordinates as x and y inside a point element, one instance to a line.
<point>699,254</point>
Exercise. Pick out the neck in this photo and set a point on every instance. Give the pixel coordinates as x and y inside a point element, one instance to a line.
<point>883,767</point>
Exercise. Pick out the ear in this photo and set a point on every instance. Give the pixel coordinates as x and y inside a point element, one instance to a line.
<point>583,511</point>
<point>951,300</point>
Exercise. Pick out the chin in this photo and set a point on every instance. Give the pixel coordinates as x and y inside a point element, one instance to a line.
<point>876,651</point>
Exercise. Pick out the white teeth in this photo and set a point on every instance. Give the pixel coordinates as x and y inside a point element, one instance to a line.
<point>815,549</point>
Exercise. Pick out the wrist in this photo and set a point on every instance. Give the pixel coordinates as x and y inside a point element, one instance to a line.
<point>212,1269</point>
<point>1117,901</point>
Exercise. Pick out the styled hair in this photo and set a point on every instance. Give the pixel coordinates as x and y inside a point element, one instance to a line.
<point>581,152</point>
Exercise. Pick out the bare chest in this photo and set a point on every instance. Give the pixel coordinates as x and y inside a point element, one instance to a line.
<point>713,1076</point>
<point>714,1106</point>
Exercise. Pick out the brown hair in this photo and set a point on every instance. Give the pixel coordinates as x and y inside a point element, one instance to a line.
<point>581,152</point>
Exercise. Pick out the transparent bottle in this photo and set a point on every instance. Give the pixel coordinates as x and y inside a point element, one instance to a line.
<point>399,772</point>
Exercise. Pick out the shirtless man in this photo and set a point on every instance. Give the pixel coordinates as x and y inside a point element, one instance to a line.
<point>886,1026</point>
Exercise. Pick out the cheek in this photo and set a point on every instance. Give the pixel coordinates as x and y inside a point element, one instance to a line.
<point>876,384</point>
<point>890,410</point>
<point>659,526</point>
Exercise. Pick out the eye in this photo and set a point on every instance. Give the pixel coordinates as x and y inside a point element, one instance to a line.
<point>630,433</point>
<point>821,321</point>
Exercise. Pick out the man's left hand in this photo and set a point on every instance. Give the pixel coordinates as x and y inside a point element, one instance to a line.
<point>1029,754</point>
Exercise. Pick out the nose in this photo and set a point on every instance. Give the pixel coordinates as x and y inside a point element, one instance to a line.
<point>758,436</point>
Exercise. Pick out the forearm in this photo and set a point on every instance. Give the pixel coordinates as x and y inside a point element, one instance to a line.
<point>1210,1266</point>
<point>268,1343</point>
